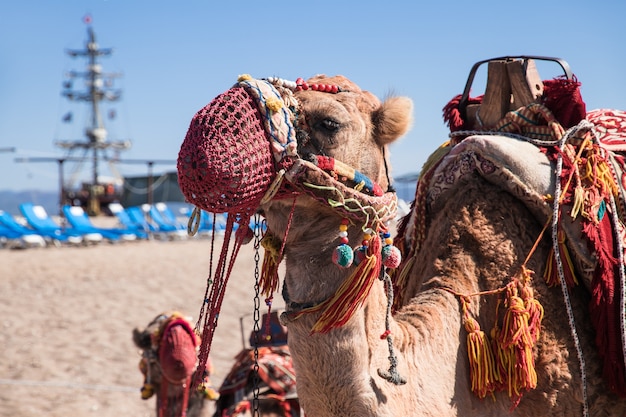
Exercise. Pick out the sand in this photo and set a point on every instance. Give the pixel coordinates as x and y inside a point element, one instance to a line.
<point>68,314</point>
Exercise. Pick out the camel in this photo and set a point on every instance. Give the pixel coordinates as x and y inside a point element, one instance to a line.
<point>276,394</point>
<point>168,347</point>
<point>472,251</point>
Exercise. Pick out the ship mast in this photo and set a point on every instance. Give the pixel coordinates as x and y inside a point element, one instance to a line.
<point>99,89</point>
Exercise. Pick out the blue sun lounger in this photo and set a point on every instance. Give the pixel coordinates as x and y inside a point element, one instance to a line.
<point>9,222</point>
<point>38,219</point>
<point>80,222</point>
<point>22,237</point>
<point>141,230</point>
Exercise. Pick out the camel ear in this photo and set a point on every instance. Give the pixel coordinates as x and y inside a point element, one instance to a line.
<point>141,339</point>
<point>393,119</point>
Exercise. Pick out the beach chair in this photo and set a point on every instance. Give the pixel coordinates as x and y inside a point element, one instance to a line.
<point>137,217</point>
<point>169,216</point>
<point>172,229</point>
<point>52,237</point>
<point>207,221</point>
<point>14,239</point>
<point>38,219</point>
<point>126,222</point>
<point>79,221</point>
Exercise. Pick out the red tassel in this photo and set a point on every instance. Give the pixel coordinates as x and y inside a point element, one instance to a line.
<point>352,293</point>
<point>604,306</point>
<point>562,97</point>
<point>452,115</point>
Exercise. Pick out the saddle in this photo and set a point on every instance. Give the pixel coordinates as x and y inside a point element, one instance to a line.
<point>555,158</point>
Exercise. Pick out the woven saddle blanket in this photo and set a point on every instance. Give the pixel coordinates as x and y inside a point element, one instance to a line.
<point>519,166</point>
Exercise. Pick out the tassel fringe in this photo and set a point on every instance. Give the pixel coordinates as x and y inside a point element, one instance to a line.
<point>485,376</point>
<point>268,282</point>
<point>516,338</point>
<point>352,292</point>
<point>551,273</point>
<point>505,359</point>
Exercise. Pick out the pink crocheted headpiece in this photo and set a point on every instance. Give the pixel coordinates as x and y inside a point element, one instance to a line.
<point>225,163</point>
<point>177,350</point>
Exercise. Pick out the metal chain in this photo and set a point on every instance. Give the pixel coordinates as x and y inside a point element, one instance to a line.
<point>256,315</point>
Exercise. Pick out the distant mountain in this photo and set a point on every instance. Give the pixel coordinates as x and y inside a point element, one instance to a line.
<point>10,200</point>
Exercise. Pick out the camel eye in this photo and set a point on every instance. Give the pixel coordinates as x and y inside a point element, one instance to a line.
<point>328,126</point>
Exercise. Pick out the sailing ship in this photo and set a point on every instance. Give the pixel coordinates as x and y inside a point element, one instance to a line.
<point>96,192</point>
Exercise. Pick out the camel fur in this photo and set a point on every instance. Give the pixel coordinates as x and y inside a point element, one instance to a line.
<point>477,239</point>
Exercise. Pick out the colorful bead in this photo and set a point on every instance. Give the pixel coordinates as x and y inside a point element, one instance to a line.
<point>300,85</point>
<point>343,255</point>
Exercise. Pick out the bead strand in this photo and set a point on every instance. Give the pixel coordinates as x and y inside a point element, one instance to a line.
<point>327,88</point>
<point>300,85</point>
<point>343,255</point>
<point>391,254</point>
<point>361,252</point>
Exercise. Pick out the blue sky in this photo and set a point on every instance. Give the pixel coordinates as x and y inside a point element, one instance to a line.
<point>176,56</point>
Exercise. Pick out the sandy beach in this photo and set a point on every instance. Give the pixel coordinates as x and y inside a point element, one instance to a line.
<point>68,314</point>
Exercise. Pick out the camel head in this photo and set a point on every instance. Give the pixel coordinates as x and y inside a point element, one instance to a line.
<point>352,126</point>
<point>265,141</point>
<point>169,347</point>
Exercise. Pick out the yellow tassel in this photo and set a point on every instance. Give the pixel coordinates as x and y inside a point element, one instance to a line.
<point>147,391</point>
<point>579,200</point>
<point>484,374</point>
<point>268,282</point>
<point>551,273</point>
<point>273,103</point>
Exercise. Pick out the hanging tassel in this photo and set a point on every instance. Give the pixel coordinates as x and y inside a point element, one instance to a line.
<point>551,273</point>
<point>352,292</point>
<point>532,305</point>
<point>268,281</point>
<point>515,345</point>
<point>484,374</point>
<point>562,96</point>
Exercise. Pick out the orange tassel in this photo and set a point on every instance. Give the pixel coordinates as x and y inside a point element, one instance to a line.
<point>516,345</point>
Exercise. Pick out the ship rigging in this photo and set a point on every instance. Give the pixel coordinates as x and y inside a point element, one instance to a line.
<point>96,193</point>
